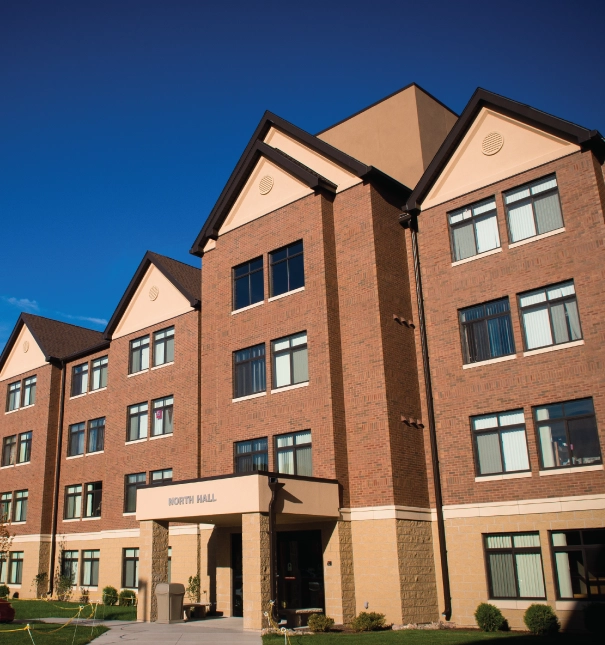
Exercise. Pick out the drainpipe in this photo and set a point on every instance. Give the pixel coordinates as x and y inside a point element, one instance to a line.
<point>411,221</point>
<point>275,486</point>
<point>55,506</point>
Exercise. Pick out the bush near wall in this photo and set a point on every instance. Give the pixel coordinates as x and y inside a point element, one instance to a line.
<point>489,618</point>
<point>541,620</point>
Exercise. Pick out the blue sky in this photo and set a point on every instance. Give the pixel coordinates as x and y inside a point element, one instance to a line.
<point>122,120</point>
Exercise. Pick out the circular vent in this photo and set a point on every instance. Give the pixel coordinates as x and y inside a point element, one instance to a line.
<point>492,143</point>
<point>154,292</point>
<point>26,346</point>
<point>265,184</point>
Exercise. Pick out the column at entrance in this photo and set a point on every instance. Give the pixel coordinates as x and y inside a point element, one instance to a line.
<point>256,569</point>
<point>153,566</point>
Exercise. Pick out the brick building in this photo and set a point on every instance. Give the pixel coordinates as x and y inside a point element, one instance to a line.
<point>340,411</point>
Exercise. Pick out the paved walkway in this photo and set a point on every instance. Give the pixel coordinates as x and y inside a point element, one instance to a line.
<point>222,631</point>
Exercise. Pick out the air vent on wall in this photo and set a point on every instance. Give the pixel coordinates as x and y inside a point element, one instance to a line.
<point>265,184</point>
<point>154,292</point>
<point>492,143</point>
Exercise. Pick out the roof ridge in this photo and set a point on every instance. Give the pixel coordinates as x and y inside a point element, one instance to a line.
<point>161,255</point>
<point>61,322</point>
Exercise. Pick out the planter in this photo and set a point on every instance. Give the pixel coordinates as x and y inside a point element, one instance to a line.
<point>7,613</point>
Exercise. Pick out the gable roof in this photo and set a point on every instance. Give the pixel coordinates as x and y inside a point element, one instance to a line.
<point>257,147</point>
<point>57,340</point>
<point>185,278</point>
<point>586,139</point>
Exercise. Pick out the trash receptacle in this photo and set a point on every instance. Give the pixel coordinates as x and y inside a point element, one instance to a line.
<point>170,602</point>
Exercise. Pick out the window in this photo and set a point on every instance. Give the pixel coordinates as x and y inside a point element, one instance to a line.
<point>290,360</point>
<point>162,416</point>
<point>79,379</point>
<point>249,371</point>
<point>73,502</point>
<point>29,391</point>
<point>96,435</point>
<point>567,434</point>
<point>487,331</point>
<point>139,354</point>
<point>500,442</point>
<point>550,316</point>
<point>137,421</point>
<point>474,229</point>
<point>99,373</point>
<point>161,475</point>
<point>131,483</point>
<point>90,567</point>
<point>248,287</point>
<point>24,452</point>
<point>580,563</point>
<point>94,498</point>
<point>21,497</point>
<point>75,445</point>
<point>3,567</point>
<point>287,269</point>
<point>9,450</point>
<point>163,346</point>
<point>294,453</point>
<point>15,568</point>
<point>69,566</point>
<point>533,209</point>
<point>6,505</point>
<point>251,455</point>
<point>13,400</point>
<point>130,569</point>
<point>514,565</point>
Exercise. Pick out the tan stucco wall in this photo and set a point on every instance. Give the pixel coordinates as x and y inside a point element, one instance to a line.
<point>143,312</point>
<point>20,361</point>
<point>524,147</point>
<point>35,560</point>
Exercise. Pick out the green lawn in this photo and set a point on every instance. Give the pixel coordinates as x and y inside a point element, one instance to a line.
<point>41,636</point>
<point>25,609</point>
<point>430,637</point>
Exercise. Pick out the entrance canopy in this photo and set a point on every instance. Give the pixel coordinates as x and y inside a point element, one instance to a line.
<point>223,500</point>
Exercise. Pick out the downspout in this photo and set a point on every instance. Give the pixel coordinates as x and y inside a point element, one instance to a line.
<point>275,486</point>
<point>411,222</point>
<point>55,506</point>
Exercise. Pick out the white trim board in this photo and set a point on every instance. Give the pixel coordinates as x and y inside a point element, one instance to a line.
<point>390,512</point>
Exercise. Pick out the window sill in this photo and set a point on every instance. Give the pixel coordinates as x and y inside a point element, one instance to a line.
<point>491,361</point>
<point>289,387</point>
<point>9,466</point>
<point>159,367</point>
<point>90,587</point>
<point>250,396</point>
<point>74,519</point>
<point>129,514</point>
<point>492,478</point>
<point>25,407</point>
<point>535,238</point>
<point>572,469</point>
<point>553,348</point>
<point>477,257</point>
<point>20,522</point>
<point>239,311</point>
<point>288,293</point>
<point>13,585</point>
<point>12,411</point>
<point>90,519</point>
<point>23,463</point>
<point>74,457</point>
<point>138,373</point>
<point>77,396</point>
<point>128,443</point>
<point>99,389</point>
<point>161,436</point>
<point>516,604</point>
<point>96,452</point>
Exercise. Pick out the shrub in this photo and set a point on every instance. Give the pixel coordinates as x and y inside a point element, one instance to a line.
<point>541,620</point>
<point>39,584</point>
<point>193,589</point>
<point>320,623</point>
<point>64,588</point>
<point>4,591</point>
<point>126,598</point>
<point>368,621</point>
<point>84,595</point>
<point>489,617</point>
<point>110,595</point>
<point>593,618</point>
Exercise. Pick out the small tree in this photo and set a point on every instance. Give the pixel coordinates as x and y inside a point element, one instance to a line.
<point>6,537</point>
<point>39,584</point>
<point>193,589</point>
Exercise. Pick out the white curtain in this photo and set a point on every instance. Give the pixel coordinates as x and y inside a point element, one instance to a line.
<point>464,242</point>
<point>304,464</point>
<point>487,234</point>
<point>537,328</point>
<point>503,575</point>
<point>145,357</point>
<point>512,418</point>
<point>546,446</point>
<point>529,575</point>
<point>548,213</point>
<point>300,365</point>
<point>563,574</point>
<point>282,370</point>
<point>488,447</point>
<point>514,447</point>
<point>521,222</point>
<point>574,320</point>
<point>285,462</point>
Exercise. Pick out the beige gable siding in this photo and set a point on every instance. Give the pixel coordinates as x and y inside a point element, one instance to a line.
<point>143,312</point>
<point>524,147</point>
<point>252,204</point>
<point>19,360</point>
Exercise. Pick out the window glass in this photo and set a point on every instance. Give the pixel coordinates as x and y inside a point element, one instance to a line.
<point>131,483</point>
<point>15,575</point>
<point>29,390</point>
<point>164,475</point>
<point>69,565</point>
<point>73,502</point>
<point>567,434</point>
<point>162,416</point>
<point>248,286</point>
<point>474,229</point>
<point>550,316</point>
<point>249,371</point>
<point>96,435</point>
<point>25,447</point>
<point>3,567</point>
<point>130,569</point>
<point>99,373</point>
<point>90,567</point>
<point>9,450</point>
<point>6,505</point>
<point>251,455</point>
<point>580,564</point>
<point>487,331</point>
<point>79,379</point>
<point>294,453</point>
<point>163,346</point>
<point>139,354</point>
<point>75,444</point>
<point>533,209</point>
<point>137,421</point>
<point>21,497</point>
<point>287,269</point>
<point>500,442</point>
<point>514,564</point>
<point>94,498</point>
<point>13,400</point>
<point>290,360</point>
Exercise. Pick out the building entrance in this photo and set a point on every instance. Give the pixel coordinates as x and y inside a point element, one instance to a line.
<point>300,571</point>
<point>237,582</point>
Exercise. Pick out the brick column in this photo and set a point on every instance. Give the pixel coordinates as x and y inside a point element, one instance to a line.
<point>153,566</point>
<point>255,560</point>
